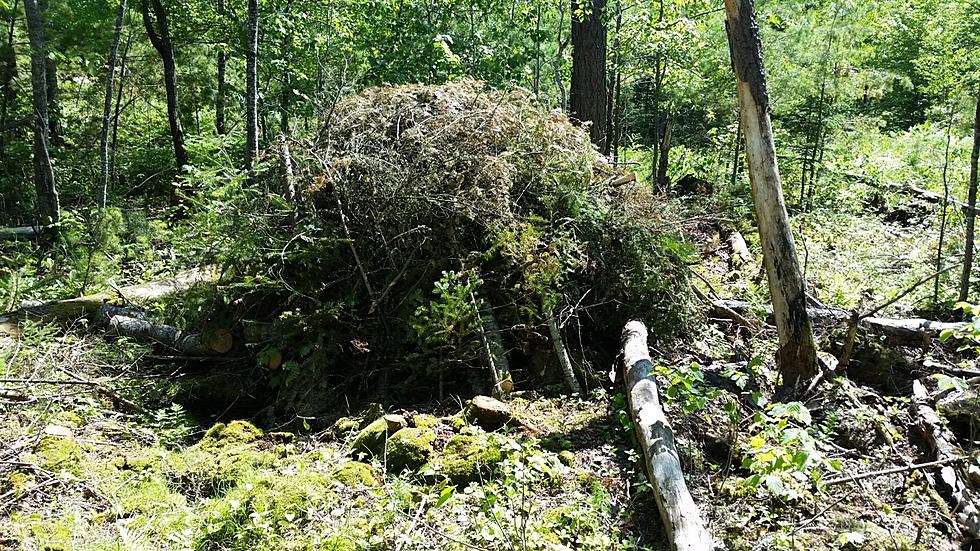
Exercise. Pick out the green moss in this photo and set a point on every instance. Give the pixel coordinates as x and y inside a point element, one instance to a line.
<point>567,458</point>
<point>457,422</point>
<point>372,438</point>
<point>137,463</point>
<point>69,419</point>
<point>344,426</point>
<point>232,434</point>
<point>60,454</point>
<point>465,459</point>
<point>355,473</point>
<point>265,510</point>
<point>425,421</point>
<point>18,483</point>
<point>409,449</point>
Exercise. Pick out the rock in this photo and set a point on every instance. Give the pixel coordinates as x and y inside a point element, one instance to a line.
<point>855,430</point>
<point>409,449</point>
<point>425,421</point>
<point>373,437</point>
<point>355,473</point>
<point>465,459</point>
<point>961,407</point>
<point>236,433</point>
<point>344,427</point>
<point>488,412</point>
<point>567,458</point>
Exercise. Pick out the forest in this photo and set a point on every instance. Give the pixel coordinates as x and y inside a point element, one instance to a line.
<point>489,275</point>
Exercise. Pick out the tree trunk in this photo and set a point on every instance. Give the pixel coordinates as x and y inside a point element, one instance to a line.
<point>159,33</point>
<point>54,112</point>
<point>971,213</point>
<point>664,161</point>
<point>117,112</point>
<point>678,511</point>
<point>8,72</point>
<point>563,360</point>
<point>588,94</point>
<point>107,107</point>
<point>797,355</point>
<point>49,206</point>
<point>219,100</point>
<point>252,89</point>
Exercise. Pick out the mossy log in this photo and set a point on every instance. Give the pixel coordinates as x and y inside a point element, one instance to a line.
<point>943,445</point>
<point>910,331</point>
<point>680,514</point>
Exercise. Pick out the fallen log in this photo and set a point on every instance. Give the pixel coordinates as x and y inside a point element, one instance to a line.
<point>924,194</point>
<point>911,331</point>
<point>943,445</point>
<point>89,305</point>
<point>24,232</point>
<point>190,344</point>
<point>680,515</point>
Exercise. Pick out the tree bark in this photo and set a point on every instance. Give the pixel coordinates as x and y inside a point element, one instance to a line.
<point>8,72</point>
<point>71,309</point>
<point>107,107</point>
<point>219,99</point>
<point>797,355</point>
<point>49,205</point>
<point>942,443</point>
<point>493,345</point>
<point>664,160</point>
<point>905,332</point>
<point>252,89</point>
<point>563,360</point>
<point>159,34</point>
<point>971,213</point>
<point>588,91</point>
<point>117,111</point>
<point>186,343</point>
<point>680,514</point>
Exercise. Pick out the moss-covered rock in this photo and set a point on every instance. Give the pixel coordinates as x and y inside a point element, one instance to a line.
<point>425,421</point>
<point>344,427</point>
<point>355,473</point>
<point>465,459</point>
<point>373,437</point>
<point>57,453</point>
<point>457,422</point>
<point>235,433</point>
<point>409,449</point>
<point>567,458</point>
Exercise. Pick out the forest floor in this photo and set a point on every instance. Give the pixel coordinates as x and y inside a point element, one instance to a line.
<point>109,456</point>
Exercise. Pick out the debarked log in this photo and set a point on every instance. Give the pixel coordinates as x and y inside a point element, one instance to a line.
<point>680,514</point>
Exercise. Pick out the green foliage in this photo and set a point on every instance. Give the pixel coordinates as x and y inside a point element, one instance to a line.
<point>785,453</point>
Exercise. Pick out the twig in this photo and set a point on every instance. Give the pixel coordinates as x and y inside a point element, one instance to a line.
<point>893,470</point>
<point>48,382</point>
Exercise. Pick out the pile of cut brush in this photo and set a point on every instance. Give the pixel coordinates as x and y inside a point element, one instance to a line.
<point>453,227</point>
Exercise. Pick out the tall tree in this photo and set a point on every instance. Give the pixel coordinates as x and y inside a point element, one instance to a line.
<point>587,102</point>
<point>8,72</point>
<point>107,106</point>
<point>51,80</point>
<point>158,29</point>
<point>219,99</point>
<point>252,88</point>
<point>49,206</point>
<point>797,354</point>
<point>971,213</point>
